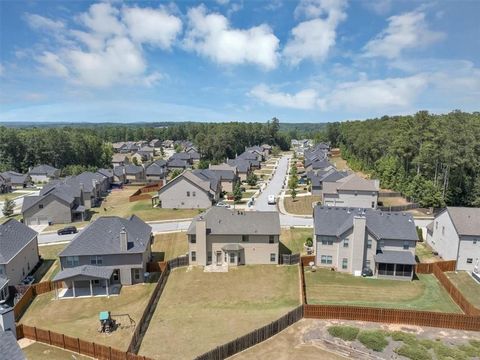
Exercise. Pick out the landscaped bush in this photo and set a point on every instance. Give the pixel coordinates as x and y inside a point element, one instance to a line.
<point>407,338</point>
<point>414,352</point>
<point>309,242</point>
<point>373,339</point>
<point>444,352</point>
<point>348,333</point>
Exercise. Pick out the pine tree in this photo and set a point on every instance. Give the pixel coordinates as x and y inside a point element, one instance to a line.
<point>8,207</point>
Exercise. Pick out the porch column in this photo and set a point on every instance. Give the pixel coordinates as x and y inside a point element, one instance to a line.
<point>91,288</point>
<point>73,288</point>
<point>56,291</point>
<point>106,283</point>
<point>394,269</point>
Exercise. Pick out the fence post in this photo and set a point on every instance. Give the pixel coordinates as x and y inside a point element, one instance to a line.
<point>35,332</point>
<point>78,346</point>
<point>49,338</point>
<point>63,340</point>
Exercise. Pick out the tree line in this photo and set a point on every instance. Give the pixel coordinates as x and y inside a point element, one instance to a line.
<point>434,159</point>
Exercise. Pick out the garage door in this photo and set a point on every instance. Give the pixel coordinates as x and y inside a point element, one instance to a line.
<point>39,221</point>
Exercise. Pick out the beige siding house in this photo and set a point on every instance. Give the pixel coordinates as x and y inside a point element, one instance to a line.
<point>351,240</point>
<point>351,191</point>
<point>223,237</point>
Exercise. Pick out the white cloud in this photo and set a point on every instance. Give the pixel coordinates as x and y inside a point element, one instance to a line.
<point>222,2</point>
<point>379,7</point>
<point>40,22</point>
<point>211,35</point>
<point>154,26</point>
<point>313,39</point>
<point>107,48</point>
<point>406,31</point>
<point>305,99</point>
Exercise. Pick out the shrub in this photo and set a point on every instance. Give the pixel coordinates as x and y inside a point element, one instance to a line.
<point>373,339</point>
<point>309,242</point>
<point>348,333</point>
<point>414,352</point>
<point>405,337</point>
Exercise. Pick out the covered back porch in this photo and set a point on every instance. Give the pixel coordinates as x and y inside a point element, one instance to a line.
<point>395,264</point>
<point>87,281</point>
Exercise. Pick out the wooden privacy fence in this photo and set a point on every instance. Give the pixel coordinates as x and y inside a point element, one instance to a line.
<point>393,316</point>
<point>289,259</point>
<point>76,345</point>
<point>253,338</point>
<point>33,290</point>
<point>142,193</point>
<point>399,207</point>
<point>174,263</point>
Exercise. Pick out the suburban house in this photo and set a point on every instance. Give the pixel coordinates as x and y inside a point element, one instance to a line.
<point>243,168</point>
<point>317,179</point>
<point>318,165</point>
<point>119,177</point>
<point>155,143</point>
<point>110,252</point>
<point>258,151</point>
<point>17,180</point>
<point>190,190</point>
<point>350,240</point>
<point>252,157</point>
<point>18,251</point>
<point>120,160</point>
<point>43,173</point>
<point>178,164</point>
<point>222,237</point>
<point>227,176</point>
<point>108,174</point>
<point>5,183</point>
<point>156,171</point>
<point>61,204</point>
<point>132,173</point>
<point>168,144</point>
<point>118,146</point>
<point>455,235</point>
<point>141,157</point>
<point>351,191</point>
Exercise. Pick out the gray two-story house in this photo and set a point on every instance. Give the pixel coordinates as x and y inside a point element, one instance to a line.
<point>43,173</point>
<point>224,237</point>
<point>351,191</point>
<point>351,240</point>
<point>110,252</point>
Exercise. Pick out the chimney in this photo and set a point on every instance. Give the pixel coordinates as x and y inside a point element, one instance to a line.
<point>123,240</point>
<point>359,242</point>
<point>7,319</point>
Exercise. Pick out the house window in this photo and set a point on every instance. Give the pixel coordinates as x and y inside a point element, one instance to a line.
<point>194,256</point>
<point>188,193</point>
<point>193,239</point>
<point>72,261</point>
<point>373,204</point>
<point>345,243</point>
<point>443,230</point>
<point>245,238</point>
<point>209,256</point>
<point>326,259</point>
<point>273,257</point>
<point>344,263</point>
<point>271,239</point>
<point>232,258</point>
<point>40,206</point>
<point>327,242</point>
<point>470,261</point>
<point>194,193</point>
<point>136,274</point>
<point>96,260</point>
<point>406,245</point>
<point>369,244</point>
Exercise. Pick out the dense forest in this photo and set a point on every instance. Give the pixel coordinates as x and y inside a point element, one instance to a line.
<point>434,159</point>
<point>78,148</point>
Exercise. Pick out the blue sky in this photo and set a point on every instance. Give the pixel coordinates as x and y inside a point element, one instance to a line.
<point>236,60</point>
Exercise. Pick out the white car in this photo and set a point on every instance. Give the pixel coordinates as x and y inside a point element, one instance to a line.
<point>271,200</point>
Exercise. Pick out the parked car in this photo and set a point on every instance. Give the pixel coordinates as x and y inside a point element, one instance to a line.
<point>28,280</point>
<point>67,230</point>
<point>271,200</point>
<point>223,204</point>
<point>367,272</point>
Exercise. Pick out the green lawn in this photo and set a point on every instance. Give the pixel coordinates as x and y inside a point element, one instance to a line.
<point>198,311</point>
<point>331,287</point>
<point>51,265</point>
<point>39,351</point>
<point>169,246</point>
<point>79,317</point>
<point>467,286</point>
<point>293,239</point>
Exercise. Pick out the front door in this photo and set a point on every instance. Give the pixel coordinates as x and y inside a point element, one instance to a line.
<point>219,258</point>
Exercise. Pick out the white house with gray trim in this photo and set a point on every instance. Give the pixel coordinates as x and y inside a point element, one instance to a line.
<point>224,237</point>
<point>350,240</point>
<point>110,252</point>
<point>18,251</point>
<point>455,235</point>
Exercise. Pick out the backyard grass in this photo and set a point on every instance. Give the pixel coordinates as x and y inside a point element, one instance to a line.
<point>79,317</point>
<point>467,286</point>
<point>50,265</point>
<point>198,311</point>
<point>330,287</point>
<point>424,253</point>
<point>169,246</point>
<point>393,201</point>
<point>39,351</point>
<point>12,195</point>
<point>293,240</point>
<point>302,205</point>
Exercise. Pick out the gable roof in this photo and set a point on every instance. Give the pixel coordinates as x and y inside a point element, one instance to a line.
<point>177,163</point>
<point>102,237</point>
<point>223,221</point>
<point>241,165</point>
<point>108,173</point>
<point>201,183</point>
<point>156,168</point>
<point>14,236</point>
<point>335,221</point>
<point>9,347</point>
<point>43,170</point>
<point>116,158</point>
<point>60,194</point>
<point>132,169</point>
<point>224,174</point>
<point>98,272</point>
<point>208,175</point>
<point>15,177</point>
<point>466,220</point>
<point>351,182</point>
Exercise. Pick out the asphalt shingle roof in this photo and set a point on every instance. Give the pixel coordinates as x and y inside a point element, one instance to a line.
<point>43,170</point>
<point>15,177</point>
<point>14,236</point>
<point>102,237</point>
<point>395,257</point>
<point>9,348</point>
<point>334,221</point>
<point>466,220</point>
<point>223,221</point>
<point>98,272</point>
